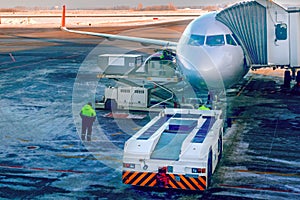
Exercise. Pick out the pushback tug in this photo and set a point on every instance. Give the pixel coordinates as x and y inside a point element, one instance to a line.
<point>179,148</point>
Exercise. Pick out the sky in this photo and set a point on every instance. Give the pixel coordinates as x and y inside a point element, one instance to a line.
<point>77,4</point>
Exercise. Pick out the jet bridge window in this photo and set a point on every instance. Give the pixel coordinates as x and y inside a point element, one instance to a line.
<point>125,91</point>
<point>230,40</point>
<point>215,40</point>
<point>281,31</point>
<point>139,91</point>
<point>196,40</point>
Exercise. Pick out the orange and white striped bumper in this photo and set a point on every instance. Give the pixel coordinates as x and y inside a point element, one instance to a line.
<point>175,181</point>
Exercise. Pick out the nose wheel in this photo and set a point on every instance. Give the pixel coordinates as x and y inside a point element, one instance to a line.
<point>287,79</point>
<point>296,88</point>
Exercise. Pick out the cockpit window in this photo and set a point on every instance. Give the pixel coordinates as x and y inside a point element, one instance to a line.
<point>196,40</point>
<point>215,40</point>
<point>230,40</point>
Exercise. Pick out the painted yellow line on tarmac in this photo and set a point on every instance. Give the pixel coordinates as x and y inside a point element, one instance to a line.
<point>23,140</point>
<point>259,189</point>
<point>94,157</point>
<point>117,133</point>
<point>38,62</point>
<point>103,157</point>
<point>76,156</point>
<point>269,173</point>
<point>244,87</point>
<point>68,146</point>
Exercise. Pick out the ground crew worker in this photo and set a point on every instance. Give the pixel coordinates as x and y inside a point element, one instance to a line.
<point>203,107</point>
<point>165,55</point>
<point>162,179</point>
<point>88,116</point>
<point>162,56</point>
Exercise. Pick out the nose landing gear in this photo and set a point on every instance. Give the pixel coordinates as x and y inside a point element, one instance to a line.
<point>288,78</point>
<point>296,88</point>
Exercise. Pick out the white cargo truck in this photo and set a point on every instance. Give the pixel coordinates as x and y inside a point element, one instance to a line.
<point>119,64</point>
<point>128,98</point>
<point>138,86</point>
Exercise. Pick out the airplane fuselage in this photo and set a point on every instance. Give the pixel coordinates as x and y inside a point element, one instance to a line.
<point>209,54</point>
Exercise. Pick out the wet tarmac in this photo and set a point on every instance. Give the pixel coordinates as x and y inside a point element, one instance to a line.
<point>43,82</point>
<point>261,149</point>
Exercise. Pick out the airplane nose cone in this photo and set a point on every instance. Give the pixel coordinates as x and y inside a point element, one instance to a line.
<point>199,68</point>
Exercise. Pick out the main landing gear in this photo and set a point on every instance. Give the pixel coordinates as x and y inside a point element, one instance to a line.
<point>288,77</point>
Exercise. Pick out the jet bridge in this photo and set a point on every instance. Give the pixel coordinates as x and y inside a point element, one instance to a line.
<point>248,22</point>
<point>267,32</point>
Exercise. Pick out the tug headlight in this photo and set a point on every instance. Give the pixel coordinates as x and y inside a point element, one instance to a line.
<point>170,169</point>
<point>129,165</point>
<point>198,170</point>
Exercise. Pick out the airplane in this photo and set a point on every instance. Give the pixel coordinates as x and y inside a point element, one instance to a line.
<point>208,51</point>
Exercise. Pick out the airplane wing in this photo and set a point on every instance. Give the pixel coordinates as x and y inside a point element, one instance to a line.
<point>143,41</point>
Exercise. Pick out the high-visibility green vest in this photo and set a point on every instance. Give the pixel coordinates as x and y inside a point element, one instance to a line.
<point>203,107</point>
<point>88,111</point>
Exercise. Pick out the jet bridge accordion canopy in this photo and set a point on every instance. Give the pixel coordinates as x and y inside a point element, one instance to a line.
<point>248,22</point>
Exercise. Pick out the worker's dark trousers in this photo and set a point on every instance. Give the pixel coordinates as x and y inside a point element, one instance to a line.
<point>86,128</point>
